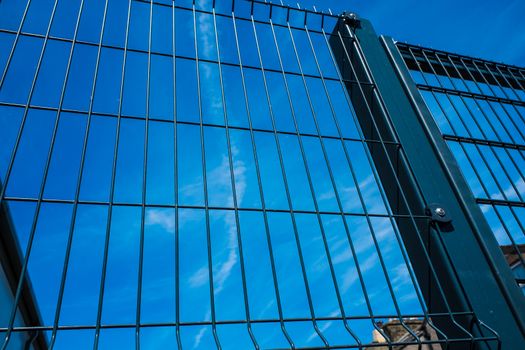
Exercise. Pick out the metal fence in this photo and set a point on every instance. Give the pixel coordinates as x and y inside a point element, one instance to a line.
<point>480,108</point>
<point>219,174</point>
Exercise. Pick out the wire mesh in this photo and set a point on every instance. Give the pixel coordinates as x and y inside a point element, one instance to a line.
<point>193,175</point>
<point>479,107</point>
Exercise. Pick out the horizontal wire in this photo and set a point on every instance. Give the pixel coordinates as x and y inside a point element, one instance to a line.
<point>491,143</point>
<point>186,122</point>
<point>409,317</point>
<point>478,96</point>
<point>500,202</point>
<point>180,206</point>
<point>183,57</point>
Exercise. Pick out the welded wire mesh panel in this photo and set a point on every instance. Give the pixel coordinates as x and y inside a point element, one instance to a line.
<point>480,109</point>
<point>193,175</point>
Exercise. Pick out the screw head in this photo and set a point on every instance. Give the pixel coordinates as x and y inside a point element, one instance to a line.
<point>440,212</point>
<point>352,16</point>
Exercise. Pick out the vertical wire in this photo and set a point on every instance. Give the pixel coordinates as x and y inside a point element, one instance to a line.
<point>367,301</point>
<point>261,194</point>
<point>435,226</point>
<point>489,73</point>
<point>205,183</point>
<point>391,219</point>
<point>485,117</point>
<point>372,231</point>
<point>499,139</point>
<point>176,180</point>
<point>23,271</point>
<point>26,106</point>
<point>520,116</point>
<point>112,184</point>
<point>403,196</point>
<point>234,190</point>
<point>477,125</point>
<point>15,42</point>
<point>80,171</point>
<point>521,72</point>
<point>520,85</point>
<point>496,211</point>
<point>476,101</point>
<point>144,188</point>
<point>288,197</point>
<point>508,231</point>
<point>493,110</point>
<point>361,200</point>
<point>441,239</point>
<point>310,184</point>
<point>506,81</point>
<point>445,115</point>
<point>363,286</point>
<point>489,104</point>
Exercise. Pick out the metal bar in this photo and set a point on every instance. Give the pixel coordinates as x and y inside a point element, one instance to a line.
<point>483,142</point>
<point>270,210</point>
<point>394,179</point>
<point>385,201</point>
<point>112,186</point>
<point>144,186</point>
<point>234,189</point>
<point>176,182</point>
<point>259,183</point>
<point>470,94</point>
<point>23,272</point>
<point>77,191</point>
<point>288,196</point>
<point>467,129</point>
<point>207,60</point>
<point>187,122</point>
<point>205,183</point>
<point>380,255</point>
<point>13,47</point>
<point>347,232</point>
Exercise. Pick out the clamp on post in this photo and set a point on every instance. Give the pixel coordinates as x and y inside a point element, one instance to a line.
<point>438,213</point>
<point>351,19</point>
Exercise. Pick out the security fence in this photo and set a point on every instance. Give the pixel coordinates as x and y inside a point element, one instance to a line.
<point>234,175</point>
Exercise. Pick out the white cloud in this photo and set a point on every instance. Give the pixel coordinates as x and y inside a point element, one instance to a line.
<point>198,338</point>
<point>163,218</point>
<point>199,278</point>
<point>226,266</point>
<point>205,32</point>
<point>219,184</point>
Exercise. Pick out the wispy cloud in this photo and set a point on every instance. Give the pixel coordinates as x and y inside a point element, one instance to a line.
<point>220,186</point>
<point>198,337</point>
<point>205,31</point>
<point>199,278</point>
<point>225,266</point>
<point>163,218</point>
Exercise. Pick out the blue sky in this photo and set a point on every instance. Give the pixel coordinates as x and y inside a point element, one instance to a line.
<point>295,159</point>
<point>477,28</point>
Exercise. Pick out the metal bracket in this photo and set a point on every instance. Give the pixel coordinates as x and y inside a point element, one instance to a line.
<point>351,19</point>
<point>438,213</point>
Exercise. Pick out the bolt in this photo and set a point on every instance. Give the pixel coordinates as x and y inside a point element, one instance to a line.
<point>440,212</point>
<point>351,19</point>
<point>352,16</point>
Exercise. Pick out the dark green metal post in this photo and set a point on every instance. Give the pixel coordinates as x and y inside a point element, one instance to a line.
<point>473,273</point>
